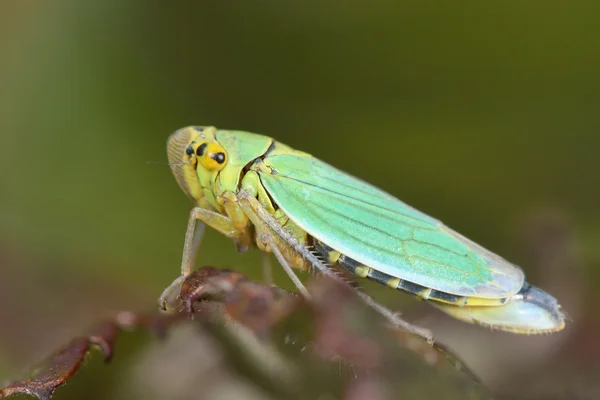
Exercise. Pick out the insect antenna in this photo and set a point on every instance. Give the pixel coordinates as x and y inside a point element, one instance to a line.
<point>168,163</point>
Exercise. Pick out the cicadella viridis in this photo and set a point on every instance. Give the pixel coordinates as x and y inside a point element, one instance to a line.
<point>309,214</point>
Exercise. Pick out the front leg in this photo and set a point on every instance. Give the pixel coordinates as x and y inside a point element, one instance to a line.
<point>193,236</point>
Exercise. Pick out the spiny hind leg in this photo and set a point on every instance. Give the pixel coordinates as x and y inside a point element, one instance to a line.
<point>199,217</point>
<point>364,271</point>
<point>262,219</point>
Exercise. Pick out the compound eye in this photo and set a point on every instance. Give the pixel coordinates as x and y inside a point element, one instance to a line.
<point>200,150</point>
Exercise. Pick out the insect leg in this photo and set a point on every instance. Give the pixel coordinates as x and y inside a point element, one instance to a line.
<point>261,218</point>
<point>267,270</point>
<point>268,240</point>
<point>193,236</point>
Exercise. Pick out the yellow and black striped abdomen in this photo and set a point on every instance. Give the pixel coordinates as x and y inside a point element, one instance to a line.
<point>335,257</point>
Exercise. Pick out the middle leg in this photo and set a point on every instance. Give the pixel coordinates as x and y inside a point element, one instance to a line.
<point>265,223</point>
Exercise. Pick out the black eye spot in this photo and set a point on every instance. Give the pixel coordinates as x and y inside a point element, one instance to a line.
<point>219,157</point>
<point>190,150</point>
<point>199,128</point>
<point>200,149</point>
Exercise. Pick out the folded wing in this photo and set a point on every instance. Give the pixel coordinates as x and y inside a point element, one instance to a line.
<point>380,231</point>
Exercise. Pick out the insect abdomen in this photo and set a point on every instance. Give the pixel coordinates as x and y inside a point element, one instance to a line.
<point>363,271</point>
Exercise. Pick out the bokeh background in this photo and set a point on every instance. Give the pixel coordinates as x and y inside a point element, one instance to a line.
<point>486,116</point>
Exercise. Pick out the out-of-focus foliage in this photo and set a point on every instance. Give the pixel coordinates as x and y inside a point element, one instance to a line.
<point>483,115</point>
<point>278,345</point>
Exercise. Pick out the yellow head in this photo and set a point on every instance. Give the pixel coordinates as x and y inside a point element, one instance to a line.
<point>195,157</point>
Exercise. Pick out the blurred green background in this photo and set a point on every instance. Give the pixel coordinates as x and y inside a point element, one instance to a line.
<point>486,116</point>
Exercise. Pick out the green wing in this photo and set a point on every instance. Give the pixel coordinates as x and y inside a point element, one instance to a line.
<point>378,230</point>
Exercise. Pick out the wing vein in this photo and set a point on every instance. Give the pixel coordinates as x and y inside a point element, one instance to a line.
<point>376,206</point>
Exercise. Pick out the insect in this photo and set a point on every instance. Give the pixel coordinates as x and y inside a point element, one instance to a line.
<point>256,190</point>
